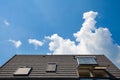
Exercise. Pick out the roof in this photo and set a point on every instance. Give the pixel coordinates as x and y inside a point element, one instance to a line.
<point>66,66</point>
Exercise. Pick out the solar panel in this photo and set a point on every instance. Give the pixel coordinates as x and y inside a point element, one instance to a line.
<point>86,60</point>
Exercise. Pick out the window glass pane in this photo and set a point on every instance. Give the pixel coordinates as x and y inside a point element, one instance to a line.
<point>93,79</point>
<point>84,73</point>
<point>86,79</point>
<point>100,73</point>
<point>51,67</point>
<point>86,60</point>
<point>102,79</point>
<point>22,71</point>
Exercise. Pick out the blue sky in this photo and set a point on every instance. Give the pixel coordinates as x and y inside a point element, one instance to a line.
<point>42,26</point>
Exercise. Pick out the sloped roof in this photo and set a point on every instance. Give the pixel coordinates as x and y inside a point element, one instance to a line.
<point>66,66</point>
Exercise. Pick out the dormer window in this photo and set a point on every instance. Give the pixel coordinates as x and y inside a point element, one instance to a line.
<point>89,68</point>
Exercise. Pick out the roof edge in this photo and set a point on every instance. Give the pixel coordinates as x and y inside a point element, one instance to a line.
<point>8,61</point>
<point>62,54</point>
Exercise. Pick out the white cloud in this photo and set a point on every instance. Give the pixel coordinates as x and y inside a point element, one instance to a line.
<point>61,46</point>
<point>6,23</point>
<point>17,44</point>
<point>35,42</point>
<point>91,40</point>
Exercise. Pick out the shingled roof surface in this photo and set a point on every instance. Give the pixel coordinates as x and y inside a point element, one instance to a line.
<point>66,66</point>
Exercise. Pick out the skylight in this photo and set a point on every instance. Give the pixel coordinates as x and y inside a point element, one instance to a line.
<point>51,67</point>
<point>23,71</point>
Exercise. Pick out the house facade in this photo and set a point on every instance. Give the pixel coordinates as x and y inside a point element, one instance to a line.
<point>59,67</point>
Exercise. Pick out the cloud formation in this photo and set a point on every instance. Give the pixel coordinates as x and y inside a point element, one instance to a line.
<point>17,44</point>
<point>6,23</point>
<point>61,46</point>
<point>91,40</point>
<point>35,42</point>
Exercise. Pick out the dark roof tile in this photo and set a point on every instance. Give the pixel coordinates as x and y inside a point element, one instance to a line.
<point>66,66</point>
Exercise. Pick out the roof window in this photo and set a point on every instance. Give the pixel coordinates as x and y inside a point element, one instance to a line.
<point>22,71</point>
<point>51,67</point>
